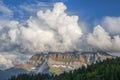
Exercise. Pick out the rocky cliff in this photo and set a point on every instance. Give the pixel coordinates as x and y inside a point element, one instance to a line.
<point>59,62</point>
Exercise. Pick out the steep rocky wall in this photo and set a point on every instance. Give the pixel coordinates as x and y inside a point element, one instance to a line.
<point>65,61</point>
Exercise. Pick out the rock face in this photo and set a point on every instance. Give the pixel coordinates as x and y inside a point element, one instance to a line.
<point>73,60</point>
<point>36,59</point>
<point>59,62</point>
<point>37,63</point>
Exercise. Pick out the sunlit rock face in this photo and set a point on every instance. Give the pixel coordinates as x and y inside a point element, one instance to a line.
<point>63,61</point>
<point>73,60</point>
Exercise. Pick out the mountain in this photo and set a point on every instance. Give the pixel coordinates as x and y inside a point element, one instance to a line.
<point>106,70</point>
<point>58,62</point>
<point>4,75</point>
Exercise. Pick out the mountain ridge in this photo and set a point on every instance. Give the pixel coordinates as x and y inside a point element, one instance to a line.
<point>58,62</point>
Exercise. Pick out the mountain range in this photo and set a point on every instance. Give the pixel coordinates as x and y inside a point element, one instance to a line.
<point>56,62</point>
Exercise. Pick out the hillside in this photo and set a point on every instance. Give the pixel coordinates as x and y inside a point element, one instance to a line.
<point>107,70</point>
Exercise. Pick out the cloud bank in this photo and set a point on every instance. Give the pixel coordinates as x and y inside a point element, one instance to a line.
<point>52,29</point>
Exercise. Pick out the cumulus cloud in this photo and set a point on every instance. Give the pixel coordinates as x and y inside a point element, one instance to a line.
<point>52,30</point>
<point>112,25</point>
<point>116,42</point>
<point>101,40</point>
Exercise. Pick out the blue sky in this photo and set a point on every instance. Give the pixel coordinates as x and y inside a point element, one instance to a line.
<point>89,10</point>
<point>95,9</point>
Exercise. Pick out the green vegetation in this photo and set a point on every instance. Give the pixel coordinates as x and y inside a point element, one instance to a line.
<point>106,70</point>
<point>55,71</point>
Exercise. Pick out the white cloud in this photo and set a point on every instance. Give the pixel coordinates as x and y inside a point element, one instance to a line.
<point>112,25</point>
<point>50,30</point>
<point>8,59</point>
<point>53,30</point>
<point>101,40</point>
<point>116,42</point>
